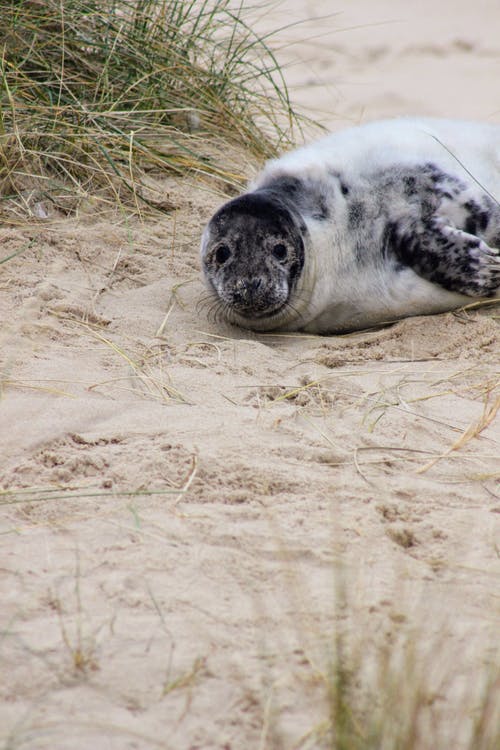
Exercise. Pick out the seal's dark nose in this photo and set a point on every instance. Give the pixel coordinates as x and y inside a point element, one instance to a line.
<point>246,290</point>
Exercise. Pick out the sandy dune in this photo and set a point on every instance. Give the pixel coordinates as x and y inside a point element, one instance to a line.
<point>190,511</point>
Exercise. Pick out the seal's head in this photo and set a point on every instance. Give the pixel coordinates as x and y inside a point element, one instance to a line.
<point>252,257</point>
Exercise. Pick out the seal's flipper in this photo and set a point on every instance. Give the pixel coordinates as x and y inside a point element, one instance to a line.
<point>454,259</point>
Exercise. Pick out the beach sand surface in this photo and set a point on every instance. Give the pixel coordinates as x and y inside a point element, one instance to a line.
<point>192,514</point>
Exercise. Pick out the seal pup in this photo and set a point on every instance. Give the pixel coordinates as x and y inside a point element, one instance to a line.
<point>368,225</point>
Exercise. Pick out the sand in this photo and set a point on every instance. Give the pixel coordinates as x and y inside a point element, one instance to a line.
<point>190,512</point>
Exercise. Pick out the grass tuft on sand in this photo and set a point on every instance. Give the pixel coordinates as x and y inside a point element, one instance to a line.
<point>95,97</point>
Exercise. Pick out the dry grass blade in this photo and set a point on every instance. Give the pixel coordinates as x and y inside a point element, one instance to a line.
<point>16,253</point>
<point>471,432</point>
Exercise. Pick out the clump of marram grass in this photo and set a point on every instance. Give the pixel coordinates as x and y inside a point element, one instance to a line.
<point>412,691</point>
<point>404,674</point>
<point>95,95</point>
<point>404,704</point>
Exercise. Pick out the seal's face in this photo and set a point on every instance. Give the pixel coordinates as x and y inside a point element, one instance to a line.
<point>252,257</point>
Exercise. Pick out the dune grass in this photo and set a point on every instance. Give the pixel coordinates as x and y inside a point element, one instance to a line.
<point>401,704</point>
<point>96,96</point>
<point>399,679</point>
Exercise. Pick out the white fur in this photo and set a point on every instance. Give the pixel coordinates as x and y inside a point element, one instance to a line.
<point>410,141</point>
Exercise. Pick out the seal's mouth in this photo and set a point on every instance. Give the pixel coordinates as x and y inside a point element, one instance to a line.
<point>255,298</point>
<point>269,312</point>
<point>265,320</point>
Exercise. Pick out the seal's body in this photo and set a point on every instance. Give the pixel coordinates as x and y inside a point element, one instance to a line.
<point>375,223</point>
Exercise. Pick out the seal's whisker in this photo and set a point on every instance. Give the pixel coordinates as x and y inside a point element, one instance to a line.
<point>206,301</point>
<point>297,314</point>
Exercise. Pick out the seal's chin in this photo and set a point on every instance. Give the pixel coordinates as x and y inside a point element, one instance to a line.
<point>256,313</point>
<point>253,298</point>
<point>259,320</point>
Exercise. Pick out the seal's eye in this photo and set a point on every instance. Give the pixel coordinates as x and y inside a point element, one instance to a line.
<point>222,254</point>
<point>279,251</point>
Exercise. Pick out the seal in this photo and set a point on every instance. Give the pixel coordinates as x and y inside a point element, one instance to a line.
<point>374,223</point>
